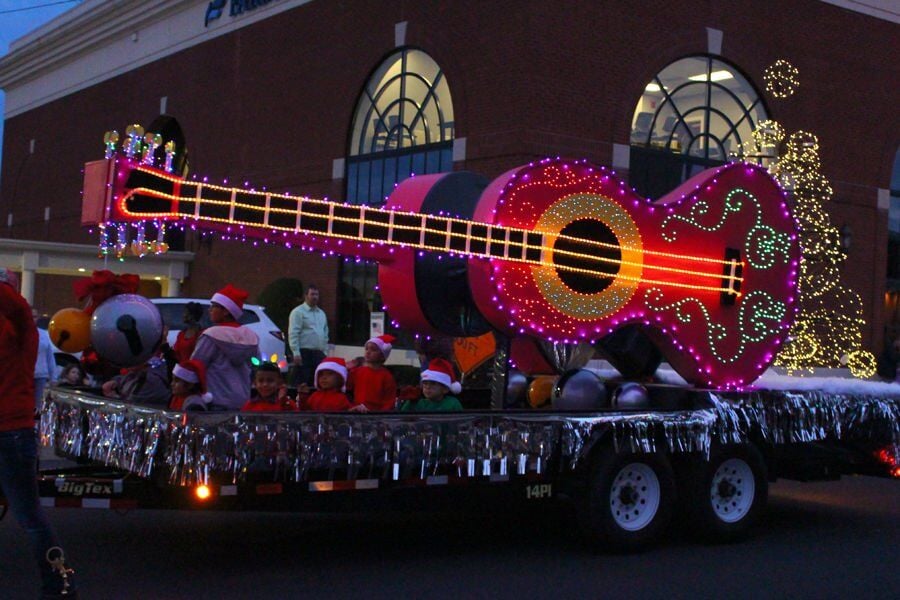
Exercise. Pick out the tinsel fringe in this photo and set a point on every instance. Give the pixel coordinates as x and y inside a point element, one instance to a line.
<point>193,448</point>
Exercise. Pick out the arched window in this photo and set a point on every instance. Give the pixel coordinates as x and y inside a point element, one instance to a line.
<point>403,125</point>
<point>696,113</point>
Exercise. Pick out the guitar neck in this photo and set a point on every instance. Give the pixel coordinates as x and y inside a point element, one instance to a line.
<point>314,222</point>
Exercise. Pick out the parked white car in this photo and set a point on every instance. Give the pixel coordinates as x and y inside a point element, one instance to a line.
<point>271,339</point>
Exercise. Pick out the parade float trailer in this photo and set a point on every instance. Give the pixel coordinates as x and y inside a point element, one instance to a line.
<point>556,252</point>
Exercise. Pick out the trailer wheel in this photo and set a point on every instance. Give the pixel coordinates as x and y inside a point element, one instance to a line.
<point>630,500</point>
<point>728,493</point>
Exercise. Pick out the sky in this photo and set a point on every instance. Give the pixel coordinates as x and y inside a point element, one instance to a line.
<point>18,17</point>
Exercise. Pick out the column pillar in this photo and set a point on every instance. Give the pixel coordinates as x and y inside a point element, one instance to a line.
<point>173,288</point>
<point>27,283</point>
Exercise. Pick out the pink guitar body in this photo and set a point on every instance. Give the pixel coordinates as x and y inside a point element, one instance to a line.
<point>667,275</point>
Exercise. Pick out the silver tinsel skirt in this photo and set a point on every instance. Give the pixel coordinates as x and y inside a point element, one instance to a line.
<point>229,448</point>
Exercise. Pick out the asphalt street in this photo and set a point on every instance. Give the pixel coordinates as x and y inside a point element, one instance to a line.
<point>817,540</point>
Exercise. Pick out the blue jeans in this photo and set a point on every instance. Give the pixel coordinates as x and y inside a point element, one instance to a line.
<point>18,482</point>
<point>39,384</point>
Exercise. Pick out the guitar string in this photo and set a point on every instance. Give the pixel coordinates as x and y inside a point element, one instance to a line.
<point>209,186</point>
<point>571,269</point>
<point>450,234</point>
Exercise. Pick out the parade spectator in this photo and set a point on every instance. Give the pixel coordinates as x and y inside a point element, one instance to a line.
<point>18,444</point>
<point>372,385</point>
<point>308,336</point>
<point>45,365</point>
<point>330,396</point>
<point>438,382</point>
<point>146,383</point>
<point>73,375</point>
<point>187,338</point>
<point>226,349</point>
<point>270,393</point>
<point>189,387</point>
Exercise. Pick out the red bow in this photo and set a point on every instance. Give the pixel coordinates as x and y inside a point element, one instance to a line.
<point>102,285</point>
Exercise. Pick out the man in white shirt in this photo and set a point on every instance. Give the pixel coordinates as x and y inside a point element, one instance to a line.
<point>308,335</point>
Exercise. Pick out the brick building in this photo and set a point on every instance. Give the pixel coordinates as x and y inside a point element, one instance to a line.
<point>342,99</point>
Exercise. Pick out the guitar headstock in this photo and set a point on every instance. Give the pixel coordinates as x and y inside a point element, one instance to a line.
<point>143,160</point>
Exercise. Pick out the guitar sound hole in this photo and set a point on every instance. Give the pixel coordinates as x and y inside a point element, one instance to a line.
<point>601,261</point>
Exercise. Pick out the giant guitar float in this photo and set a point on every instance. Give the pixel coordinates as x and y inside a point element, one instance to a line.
<point>556,250</point>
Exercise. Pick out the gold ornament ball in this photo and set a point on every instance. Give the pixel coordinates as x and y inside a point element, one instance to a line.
<point>70,329</point>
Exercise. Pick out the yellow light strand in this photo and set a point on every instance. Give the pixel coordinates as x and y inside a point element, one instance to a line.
<point>177,180</point>
<point>237,223</point>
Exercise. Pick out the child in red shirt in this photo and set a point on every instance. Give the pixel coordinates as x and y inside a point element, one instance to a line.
<point>331,375</point>
<point>189,387</point>
<point>372,385</point>
<point>271,393</point>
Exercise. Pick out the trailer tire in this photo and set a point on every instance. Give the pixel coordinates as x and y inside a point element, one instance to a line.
<point>629,501</point>
<point>726,495</point>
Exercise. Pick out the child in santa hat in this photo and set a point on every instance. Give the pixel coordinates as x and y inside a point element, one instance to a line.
<point>438,382</point>
<point>271,393</point>
<point>189,387</point>
<point>372,385</point>
<point>330,396</point>
<point>226,349</point>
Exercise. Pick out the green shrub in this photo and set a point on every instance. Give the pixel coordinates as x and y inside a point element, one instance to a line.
<point>279,298</point>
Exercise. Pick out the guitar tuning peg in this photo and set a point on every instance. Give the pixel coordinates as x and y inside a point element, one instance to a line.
<point>110,139</point>
<point>152,141</point>
<point>170,156</point>
<point>133,134</point>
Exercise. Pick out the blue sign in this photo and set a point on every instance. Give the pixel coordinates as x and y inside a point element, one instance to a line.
<point>237,7</point>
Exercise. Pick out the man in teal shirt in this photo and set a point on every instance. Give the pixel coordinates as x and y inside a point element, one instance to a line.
<point>308,335</point>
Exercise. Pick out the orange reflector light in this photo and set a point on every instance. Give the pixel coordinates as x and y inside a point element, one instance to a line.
<point>202,492</point>
<point>890,457</point>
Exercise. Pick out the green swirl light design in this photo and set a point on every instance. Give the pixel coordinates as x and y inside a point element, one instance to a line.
<point>759,317</point>
<point>762,243</point>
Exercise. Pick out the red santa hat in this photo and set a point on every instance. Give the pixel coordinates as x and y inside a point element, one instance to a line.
<point>384,343</point>
<point>232,299</point>
<point>441,371</point>
<point>336,365</point>
<point>192,371</point>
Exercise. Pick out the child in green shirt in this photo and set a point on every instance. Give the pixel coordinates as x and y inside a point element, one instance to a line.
<point>438,382</point>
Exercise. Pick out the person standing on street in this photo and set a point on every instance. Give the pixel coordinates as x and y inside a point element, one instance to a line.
<point>18,442</point>
<point>44,366</point>
<point>308,335</point>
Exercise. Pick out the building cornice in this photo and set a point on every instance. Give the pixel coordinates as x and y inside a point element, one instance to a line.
<point>91,24</point>
<point>100,39</point>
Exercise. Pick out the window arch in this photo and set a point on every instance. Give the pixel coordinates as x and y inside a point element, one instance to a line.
<point>695,113</point>
<point>403,125</point>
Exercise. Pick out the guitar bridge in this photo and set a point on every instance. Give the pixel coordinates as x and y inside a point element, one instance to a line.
<point>732,274</point>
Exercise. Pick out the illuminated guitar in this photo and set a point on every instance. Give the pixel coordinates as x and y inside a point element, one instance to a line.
<point>557,250</point>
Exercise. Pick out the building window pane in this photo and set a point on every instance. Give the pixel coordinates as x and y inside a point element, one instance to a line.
<point>403,124</point>
<point>699,109</point>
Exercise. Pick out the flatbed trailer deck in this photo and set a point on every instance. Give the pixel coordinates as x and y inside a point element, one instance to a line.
<point>703,452</point>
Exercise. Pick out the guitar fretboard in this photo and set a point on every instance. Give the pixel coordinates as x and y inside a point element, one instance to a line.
<point>155,195</point>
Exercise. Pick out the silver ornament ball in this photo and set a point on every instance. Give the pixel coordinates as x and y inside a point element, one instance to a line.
<point>126,329</point>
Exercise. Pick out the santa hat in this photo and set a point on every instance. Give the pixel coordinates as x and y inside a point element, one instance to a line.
<point>335,364</point>
<point>441,371</point>
<point>384,343</point>
<point>192,371</point>
<point>232,299</point>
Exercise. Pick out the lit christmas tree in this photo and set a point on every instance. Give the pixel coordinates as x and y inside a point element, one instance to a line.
<point>828,329</point>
